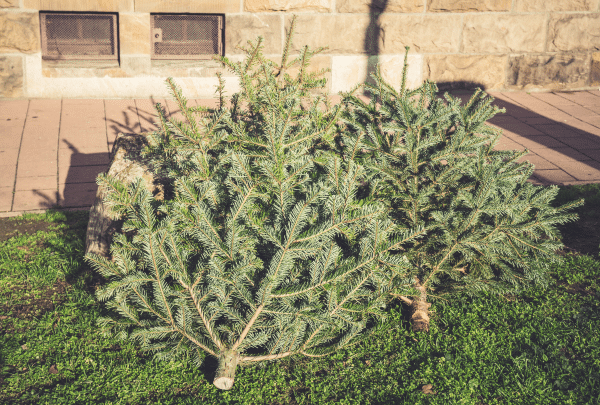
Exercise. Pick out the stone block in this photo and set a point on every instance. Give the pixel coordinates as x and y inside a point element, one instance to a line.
<point>574,32</point>
<point>187,6</point>
<point>247,27</point>
<point>142,65</point>
<point>462,71</point>
<point>191,68</point>
<point>595,69</point>
<point>261,6</point>
<point>225,72</point>
<point>462,6</point>
<point>209,72</point>
<point>341,33</point>
<point>11,76</point>
<point>352,34</point>
<point>348,71</point>
<point>391,70</point>
<point>104,86</point>
<point>503,33</point>
<point>415,31</point>
<point>134,33</point>
<point>9,3</point>
<point>81,69</point>
<point>380,6</point>
<point>136,66</point>
<point>529,6</point>
<point>19,32</point>
<point>186,68</point>
<point>80,5</point>
<point>562,71</point>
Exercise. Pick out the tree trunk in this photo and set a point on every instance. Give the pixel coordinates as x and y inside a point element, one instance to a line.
<point>125,164</point>
<point>420,310</point>
<point>225,375</point>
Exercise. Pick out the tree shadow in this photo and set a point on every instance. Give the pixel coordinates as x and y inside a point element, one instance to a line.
<point>562,154</point>
<point>459,85</point>
<point>79,188</point>
<point>136,120</point>
<point>371,43</point>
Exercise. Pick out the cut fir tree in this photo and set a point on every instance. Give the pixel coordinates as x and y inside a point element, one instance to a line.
<point>265,251</point>
<point>433,164</point>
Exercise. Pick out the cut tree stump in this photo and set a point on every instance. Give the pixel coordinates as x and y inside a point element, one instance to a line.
<point>225,375</point>
<point>126,164</point>
<point>420,310</point>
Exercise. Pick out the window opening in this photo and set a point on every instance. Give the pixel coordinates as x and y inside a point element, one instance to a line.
<point>186,36</point>
<point>78,36</point>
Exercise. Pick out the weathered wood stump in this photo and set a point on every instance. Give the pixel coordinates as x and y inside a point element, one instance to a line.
<point>126,164</point>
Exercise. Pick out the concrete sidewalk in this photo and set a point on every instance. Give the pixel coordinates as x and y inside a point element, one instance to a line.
<point>52,150</point>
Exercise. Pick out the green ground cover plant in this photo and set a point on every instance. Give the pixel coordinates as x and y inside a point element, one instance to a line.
<point>540,347</point>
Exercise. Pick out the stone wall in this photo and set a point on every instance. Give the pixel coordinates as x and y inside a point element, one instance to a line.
<point>500,45</point>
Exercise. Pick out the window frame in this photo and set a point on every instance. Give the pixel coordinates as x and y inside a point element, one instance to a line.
<point>156,33</point>
<point>79,41</point>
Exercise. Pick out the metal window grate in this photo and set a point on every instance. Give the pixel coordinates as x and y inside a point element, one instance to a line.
<point>186,36</point>
<point>78,36</point>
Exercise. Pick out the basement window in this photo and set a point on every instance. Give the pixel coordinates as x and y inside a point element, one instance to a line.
<point>186,36</point>
<point>79,36</point>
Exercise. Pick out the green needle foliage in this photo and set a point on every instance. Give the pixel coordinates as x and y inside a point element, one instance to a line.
<point>265,251</point>
<point>433,164</point>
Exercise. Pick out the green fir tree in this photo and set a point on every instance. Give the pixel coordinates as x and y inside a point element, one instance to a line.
<point>433,164</point>
<point>267,248</point>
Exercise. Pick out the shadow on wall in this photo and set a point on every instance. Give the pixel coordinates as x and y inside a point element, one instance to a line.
<point>371,45</point>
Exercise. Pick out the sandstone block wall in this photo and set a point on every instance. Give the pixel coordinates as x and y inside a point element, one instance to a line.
<point>499,45</point>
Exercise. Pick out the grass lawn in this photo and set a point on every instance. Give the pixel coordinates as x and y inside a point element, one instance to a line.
<point>539,348</point>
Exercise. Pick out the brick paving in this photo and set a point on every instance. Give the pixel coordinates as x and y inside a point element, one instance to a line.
<point>52,150</point>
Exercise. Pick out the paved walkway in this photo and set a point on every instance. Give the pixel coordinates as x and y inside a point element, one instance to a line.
<point>52,150</point>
